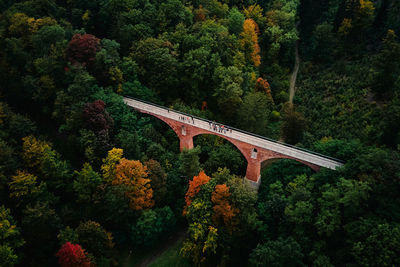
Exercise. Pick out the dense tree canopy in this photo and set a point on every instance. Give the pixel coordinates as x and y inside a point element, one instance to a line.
<point>87,181</point>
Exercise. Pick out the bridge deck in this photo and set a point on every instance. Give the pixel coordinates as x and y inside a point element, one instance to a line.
<point>258,141</point>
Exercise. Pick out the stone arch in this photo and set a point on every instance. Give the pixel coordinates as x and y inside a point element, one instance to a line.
<point>254,155</point>
<point>187,140</point>
<point>174,127</point>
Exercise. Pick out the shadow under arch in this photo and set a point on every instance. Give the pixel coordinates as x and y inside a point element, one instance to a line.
<point>239,169</point>
<point>231,141</point>
<point>178,130</point>
<point>270,161</point>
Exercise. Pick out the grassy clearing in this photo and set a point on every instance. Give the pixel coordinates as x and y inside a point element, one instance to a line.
<point>171,257</point>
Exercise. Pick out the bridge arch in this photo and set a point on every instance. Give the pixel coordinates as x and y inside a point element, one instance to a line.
<point>186,135</point>
<point>256,149</point>
<point>254,155</point>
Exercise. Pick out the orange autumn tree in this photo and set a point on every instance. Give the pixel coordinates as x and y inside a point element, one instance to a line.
<point>194,188</point>
<point>133,173</point>
<point>200,14</point>
<point>222,209</point>
<point>249,42</point>
<point>263,86</point>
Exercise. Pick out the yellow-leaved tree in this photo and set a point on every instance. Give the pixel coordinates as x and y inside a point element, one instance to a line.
<point>133,173</point>
<point>34,151</point>
<point>249,42</point>
<point>110,163</point>
<point>23,184</point>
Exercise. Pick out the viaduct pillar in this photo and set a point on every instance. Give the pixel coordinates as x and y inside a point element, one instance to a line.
<point>186,142</point>
<point>254,155</point>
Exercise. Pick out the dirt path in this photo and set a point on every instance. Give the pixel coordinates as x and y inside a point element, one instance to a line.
<point>167,244</point>
<point>295,72</point>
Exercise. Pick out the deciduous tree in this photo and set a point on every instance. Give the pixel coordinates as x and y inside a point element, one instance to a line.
<point>153,225</point>
<point>293,126</point>
<point>223,211</point>
<point>72,255</point>
<point>95,239</point>
<point>249,42</point>
<point>235,21</point>
<point>86,183</point>
<point>97,117</point>
<point>229,91</point>
<point>23,185</point>
<point>158,181</point>
<point>82,49</point>
<point>10,238</point>
<point>194,186</point>
<point>388,65</point>
<point>253,115</point>
<point>133,174</point>
<point>189,164</point>
<point>109,164</point>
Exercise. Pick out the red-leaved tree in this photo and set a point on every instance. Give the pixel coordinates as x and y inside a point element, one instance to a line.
<point>71,255</point>
<point>97,117</point>
<point>82,49</point>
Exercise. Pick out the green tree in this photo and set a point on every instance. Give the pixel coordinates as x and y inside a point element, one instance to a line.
<point>293,126</point>
<point>10,239</point>
<point>198,67</point>
<point>281,29</point>
<point>46,37</point>
<point>235,21</point>
<point>95,239</point>
<point>387,66</point>
<point>152,225</point>
<point>282,252</point>
<point>86,183</point>
<point>172,12</point>
<point>229,91</point>
<point>359,16</point>
<point>224,156</point>
<point>41,157</point>
<point>372,237</point>
<point>189,164</point>
<point>129,142</point>
<point>253,115</point>
<point>158,181</point>
<point>323,42</point>
<point>157,60</point>
<point>23,186</point>
<point>40,224</point>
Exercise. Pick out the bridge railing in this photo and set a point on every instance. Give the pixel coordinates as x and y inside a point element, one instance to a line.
<point>239,130</point>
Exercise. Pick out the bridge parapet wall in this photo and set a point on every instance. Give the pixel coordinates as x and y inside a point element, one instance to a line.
<point>255,149</point>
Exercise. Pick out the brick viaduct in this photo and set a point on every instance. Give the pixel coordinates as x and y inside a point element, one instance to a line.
<point>255,149</point>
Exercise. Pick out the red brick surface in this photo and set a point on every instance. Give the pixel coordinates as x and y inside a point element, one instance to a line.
<point>253,165</point>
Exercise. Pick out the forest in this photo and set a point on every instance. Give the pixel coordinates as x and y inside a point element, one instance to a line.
<point>87,181</point>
